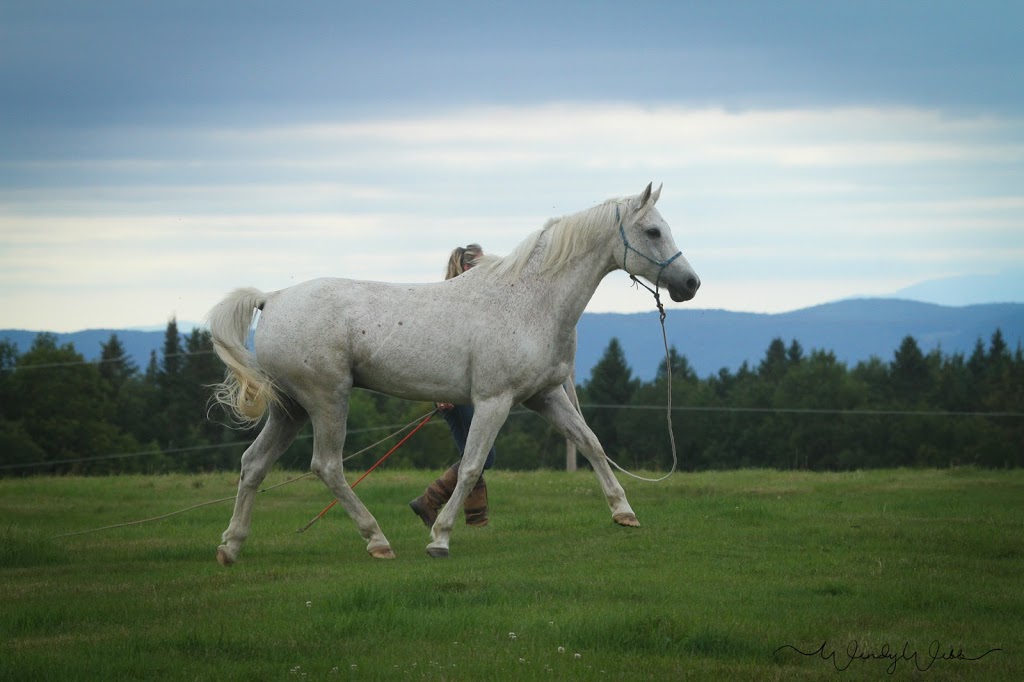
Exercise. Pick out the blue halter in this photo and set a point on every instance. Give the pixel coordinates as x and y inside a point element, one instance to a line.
<point>629,247</point>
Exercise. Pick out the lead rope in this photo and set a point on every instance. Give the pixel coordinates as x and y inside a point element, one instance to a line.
<point>668,401</point>
<point>664,339</point>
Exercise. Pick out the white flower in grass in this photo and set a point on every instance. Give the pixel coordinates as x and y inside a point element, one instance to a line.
<point>309,604</point>
<point>561,649</point>
<point>577,656</point>
<point>512,636</point>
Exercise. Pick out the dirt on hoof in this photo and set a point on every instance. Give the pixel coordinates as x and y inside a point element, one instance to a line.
<point>223,558</point>
<point>382,553</point>
<point>626,520</point>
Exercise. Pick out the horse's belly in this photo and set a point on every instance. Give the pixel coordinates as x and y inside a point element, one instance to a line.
<point>413,376</point>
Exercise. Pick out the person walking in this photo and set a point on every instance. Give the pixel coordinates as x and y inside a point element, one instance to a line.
<point>459,418</point>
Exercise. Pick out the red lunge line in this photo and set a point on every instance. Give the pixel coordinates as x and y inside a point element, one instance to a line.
<point>377,464</point>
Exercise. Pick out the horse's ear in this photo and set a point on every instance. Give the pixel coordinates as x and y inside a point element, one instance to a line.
<point>657,193</point>
<point>645,196</point>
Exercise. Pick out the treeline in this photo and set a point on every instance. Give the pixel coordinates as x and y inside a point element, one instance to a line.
<point>60,414</point>
<point>809,411</point>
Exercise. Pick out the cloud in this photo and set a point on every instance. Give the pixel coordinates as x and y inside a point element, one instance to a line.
<point>599,135</point>
<point>772,207</point>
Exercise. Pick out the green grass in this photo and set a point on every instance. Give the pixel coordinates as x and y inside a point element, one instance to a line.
<point>727,568</point>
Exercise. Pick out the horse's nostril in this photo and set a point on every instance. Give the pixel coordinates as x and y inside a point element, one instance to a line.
<point>693,284</point>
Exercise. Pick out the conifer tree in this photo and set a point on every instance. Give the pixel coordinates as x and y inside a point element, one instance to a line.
<point>775,363</point>
<point>611,383</point>
<point>64,406</point>
<point>116,366</point>
<point>910,375</point>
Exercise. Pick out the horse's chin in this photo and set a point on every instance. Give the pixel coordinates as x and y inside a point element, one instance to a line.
<point>680,296</point>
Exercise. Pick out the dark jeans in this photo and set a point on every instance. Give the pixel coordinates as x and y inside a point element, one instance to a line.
<point>459,418</point>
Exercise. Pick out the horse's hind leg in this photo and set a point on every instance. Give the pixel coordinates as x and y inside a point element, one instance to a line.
<point>557,409</point>
<point>277,434</point>
<point>328,443</point>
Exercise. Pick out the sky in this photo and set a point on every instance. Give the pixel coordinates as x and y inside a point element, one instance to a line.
<point>156,155</point>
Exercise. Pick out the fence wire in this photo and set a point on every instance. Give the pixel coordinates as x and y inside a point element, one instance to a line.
<point>675,408</point>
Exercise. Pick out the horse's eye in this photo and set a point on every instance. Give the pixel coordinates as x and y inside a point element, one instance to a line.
<point>653,232</point>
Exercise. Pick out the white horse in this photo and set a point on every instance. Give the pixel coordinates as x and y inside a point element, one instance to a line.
<point>500,334</point>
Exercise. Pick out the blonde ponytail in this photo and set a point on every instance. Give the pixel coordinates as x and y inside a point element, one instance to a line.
<point>461,258</point>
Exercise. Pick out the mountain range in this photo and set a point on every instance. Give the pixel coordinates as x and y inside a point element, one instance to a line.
<point>1005,286</point>
<point>855,330</point>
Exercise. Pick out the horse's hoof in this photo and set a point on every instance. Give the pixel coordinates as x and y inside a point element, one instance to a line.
<point>382,553</point>
<point>626,520</point>
<point>223,558</point>
<point>438,552</point>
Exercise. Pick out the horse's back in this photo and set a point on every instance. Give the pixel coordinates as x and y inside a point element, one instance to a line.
<point>436,341</point>
<point>388,337</point>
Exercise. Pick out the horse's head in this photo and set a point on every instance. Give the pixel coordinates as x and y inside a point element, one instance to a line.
<point>647,249</point>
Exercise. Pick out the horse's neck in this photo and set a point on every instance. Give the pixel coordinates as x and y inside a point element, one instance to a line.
<point>567,290</point>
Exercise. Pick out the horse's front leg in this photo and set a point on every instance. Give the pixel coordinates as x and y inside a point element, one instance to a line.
<point>488,418</point>
<point>559,411</point>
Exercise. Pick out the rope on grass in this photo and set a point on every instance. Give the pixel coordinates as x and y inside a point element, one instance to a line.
<point>167,516</point>
<point>422,420</point>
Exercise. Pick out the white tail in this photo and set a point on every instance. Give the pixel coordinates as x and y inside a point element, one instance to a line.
<point>246,390</point>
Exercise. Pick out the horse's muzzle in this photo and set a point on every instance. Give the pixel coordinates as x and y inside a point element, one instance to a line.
<point>687,291</point>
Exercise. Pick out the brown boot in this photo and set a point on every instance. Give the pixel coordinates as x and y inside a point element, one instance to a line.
<point>437,493</point>
<point>476,504</point>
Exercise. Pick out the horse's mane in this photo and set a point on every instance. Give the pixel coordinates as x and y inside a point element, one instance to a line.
<point>567,237</point>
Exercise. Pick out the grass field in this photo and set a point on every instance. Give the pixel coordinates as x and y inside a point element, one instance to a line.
<point>731,576</point>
